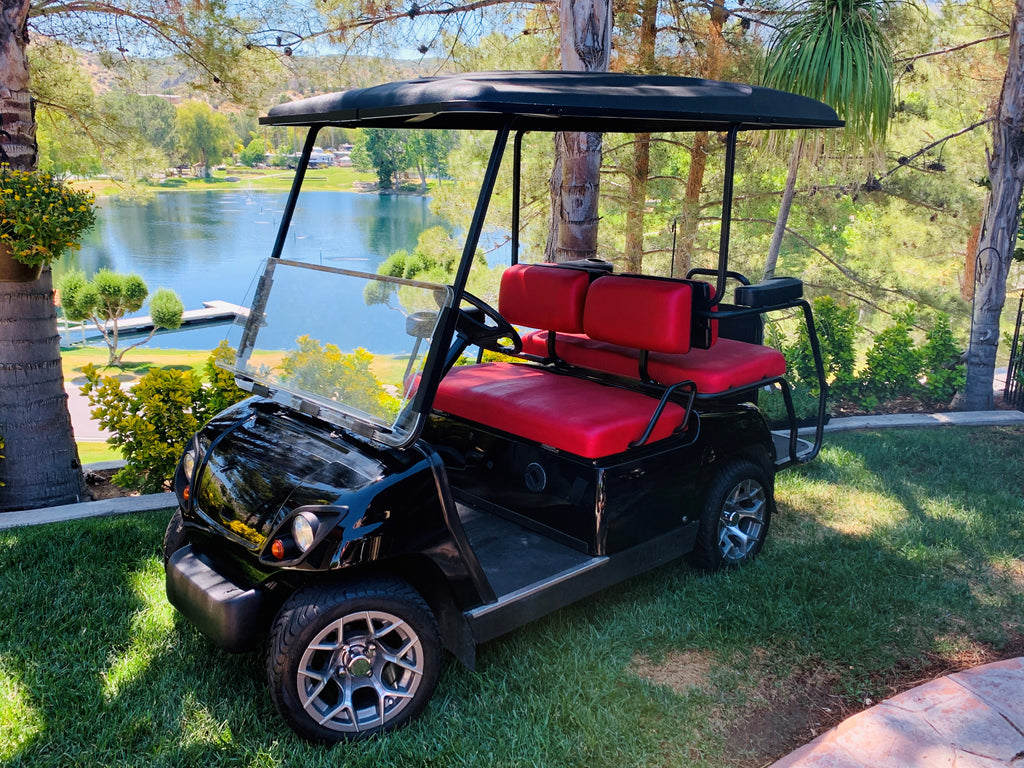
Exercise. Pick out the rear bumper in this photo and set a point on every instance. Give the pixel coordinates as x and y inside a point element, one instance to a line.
<point>230,615</point>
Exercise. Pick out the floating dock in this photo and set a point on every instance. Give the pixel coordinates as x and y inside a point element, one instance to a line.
<point>212,313</point>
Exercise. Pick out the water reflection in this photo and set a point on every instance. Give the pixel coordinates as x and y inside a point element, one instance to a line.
<point>210,245</point>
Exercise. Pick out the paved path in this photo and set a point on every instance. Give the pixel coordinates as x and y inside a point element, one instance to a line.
<point>972,719</point>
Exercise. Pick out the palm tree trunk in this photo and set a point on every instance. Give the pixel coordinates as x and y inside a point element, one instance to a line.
<point>999,226</point>
<point>586,32</point>
<point>40,466</point>
<point>784,208</point>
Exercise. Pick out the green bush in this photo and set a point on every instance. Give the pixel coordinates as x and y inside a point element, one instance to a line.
<point>893,362</point>
<point>837,330</point>
<point>942,360</point>
<point>152,421</point>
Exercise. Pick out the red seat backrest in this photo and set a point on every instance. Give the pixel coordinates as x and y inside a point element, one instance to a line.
<point>632,311</point>
<point>542,296</point>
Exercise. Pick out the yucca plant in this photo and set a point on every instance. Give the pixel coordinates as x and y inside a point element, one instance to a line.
<point>835,51</point>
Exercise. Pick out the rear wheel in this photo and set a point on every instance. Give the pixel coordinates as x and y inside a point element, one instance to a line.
<point>736,515</point>
<point>350,661</point>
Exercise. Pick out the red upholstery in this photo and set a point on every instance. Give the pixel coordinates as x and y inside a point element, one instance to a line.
<point>541,296</point>
<point>574,415</point>
<point>634,312</point>
<point>727,365</point>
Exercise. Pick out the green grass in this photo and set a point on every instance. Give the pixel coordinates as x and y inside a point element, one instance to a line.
<point>894,550</point>
<point>89,453</point>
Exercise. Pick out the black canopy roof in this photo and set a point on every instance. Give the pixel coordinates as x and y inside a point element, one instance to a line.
<point>556,101</point>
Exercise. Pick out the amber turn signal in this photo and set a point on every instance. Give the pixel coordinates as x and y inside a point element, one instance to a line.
<point>186,492</point>
<point>277,549</point>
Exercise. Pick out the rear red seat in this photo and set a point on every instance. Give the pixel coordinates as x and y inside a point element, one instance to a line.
<point>622,307</point>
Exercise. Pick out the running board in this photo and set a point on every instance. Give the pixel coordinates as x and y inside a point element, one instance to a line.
<point>513,610</point>
<point>782,458</point>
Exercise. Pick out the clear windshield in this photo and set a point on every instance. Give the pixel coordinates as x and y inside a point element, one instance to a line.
<point>346,346</point>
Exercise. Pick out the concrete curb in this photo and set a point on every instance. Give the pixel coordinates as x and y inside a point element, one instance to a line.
<point>102,508</point>
<point>909,420</point>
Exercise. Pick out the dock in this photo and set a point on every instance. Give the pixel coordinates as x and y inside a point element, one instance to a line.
<point>212,313</point>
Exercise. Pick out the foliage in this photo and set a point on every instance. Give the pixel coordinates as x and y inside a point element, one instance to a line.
<point>152,421</point>
<point>836,326</point>
<point>838,52</point>
<point>326,371</point>
<point>203,135</point>
<point>942,362</point>
<point>893,362</point>
<point>108,297</point>
<point>381,150</point>
<point>40,216</point>
<point>254,152</point>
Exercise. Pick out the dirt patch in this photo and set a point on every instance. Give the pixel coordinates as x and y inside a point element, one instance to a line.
<point>99,485</point>
<point>679,671</point>
<point>784,713</point>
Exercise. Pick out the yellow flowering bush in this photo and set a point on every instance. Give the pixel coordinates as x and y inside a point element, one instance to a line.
<point>40,216</point>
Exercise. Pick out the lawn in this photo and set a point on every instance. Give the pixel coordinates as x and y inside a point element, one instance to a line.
<point>896,557</point>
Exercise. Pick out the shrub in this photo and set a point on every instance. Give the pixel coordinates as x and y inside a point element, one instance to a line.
<point>942,360</point>
<point>837,329</point>
<point>893,362</point>
<point>108,297</point>
<point>152,421</point>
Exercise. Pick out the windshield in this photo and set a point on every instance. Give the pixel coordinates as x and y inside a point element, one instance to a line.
<point>348,347</point>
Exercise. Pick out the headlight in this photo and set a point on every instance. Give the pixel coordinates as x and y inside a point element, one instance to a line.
<point>188,463</point>
<point>304,528</point>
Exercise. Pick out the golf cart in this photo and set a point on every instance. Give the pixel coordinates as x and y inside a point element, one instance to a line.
<point>388,492</point>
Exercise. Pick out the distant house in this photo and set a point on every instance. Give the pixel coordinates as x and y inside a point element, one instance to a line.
<point>320,158</point>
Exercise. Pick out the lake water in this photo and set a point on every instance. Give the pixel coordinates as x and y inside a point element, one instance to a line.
<point>210,245</point>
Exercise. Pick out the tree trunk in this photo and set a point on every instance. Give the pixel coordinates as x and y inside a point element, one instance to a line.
<point>689,218</point>
<point>586,33</point>
<point>637,202</point>
<point>40,465</point>
<point>999,226</point>
<point>638,173</point>
<point>784,208</point>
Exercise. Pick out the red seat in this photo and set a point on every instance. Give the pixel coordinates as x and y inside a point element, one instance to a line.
<point>575,415</point>
<point>727,365</point>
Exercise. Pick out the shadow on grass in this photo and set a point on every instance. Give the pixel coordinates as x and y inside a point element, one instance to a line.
<point>109,675</point>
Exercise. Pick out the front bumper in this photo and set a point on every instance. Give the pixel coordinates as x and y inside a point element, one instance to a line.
<point>230,615</point>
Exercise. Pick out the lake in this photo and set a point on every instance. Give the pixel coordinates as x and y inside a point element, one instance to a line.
<point>210,245</point>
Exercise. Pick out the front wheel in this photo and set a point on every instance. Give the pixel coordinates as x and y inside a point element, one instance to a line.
<point>349,661</point>
<point>174,537</point>
<point>736,515</point>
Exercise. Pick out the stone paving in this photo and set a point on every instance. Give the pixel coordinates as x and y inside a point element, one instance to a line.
<point>971,719</point>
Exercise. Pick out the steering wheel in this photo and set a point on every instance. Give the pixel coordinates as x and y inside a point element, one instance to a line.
<point>472,323</point>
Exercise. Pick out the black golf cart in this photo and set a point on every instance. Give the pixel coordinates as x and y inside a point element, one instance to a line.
<point>388,492</point>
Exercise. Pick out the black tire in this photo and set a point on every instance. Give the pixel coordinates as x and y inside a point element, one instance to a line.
<point>174,537</point>
<point>737,513</point>
<point>333,659</point>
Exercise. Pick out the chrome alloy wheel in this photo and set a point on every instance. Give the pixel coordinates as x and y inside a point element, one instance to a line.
<point>742,521</point>
<point>360,671</point>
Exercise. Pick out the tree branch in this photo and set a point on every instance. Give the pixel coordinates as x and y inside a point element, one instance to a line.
<point>904,161</point>
<point>989,39</point>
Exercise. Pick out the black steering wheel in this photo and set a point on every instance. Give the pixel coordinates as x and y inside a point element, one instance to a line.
<point>472,324</point>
